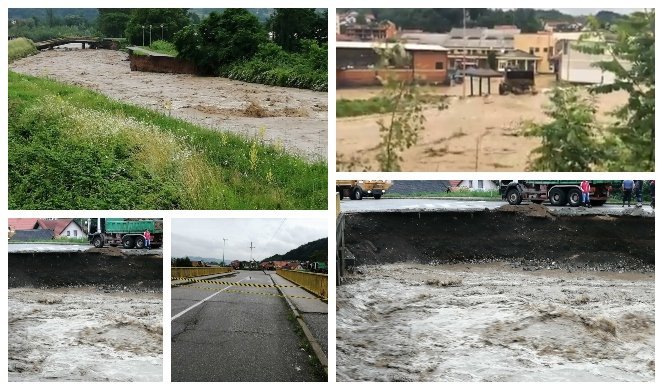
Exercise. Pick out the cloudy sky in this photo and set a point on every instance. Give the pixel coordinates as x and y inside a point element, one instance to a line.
<point>204,237</point>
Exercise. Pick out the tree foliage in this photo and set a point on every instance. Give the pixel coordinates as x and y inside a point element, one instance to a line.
<point>630,44</point>
<point>221,39</point>
<point>569,142</point>
<point>112,22</point>
<point>289,26</point>
<point>173,19</point>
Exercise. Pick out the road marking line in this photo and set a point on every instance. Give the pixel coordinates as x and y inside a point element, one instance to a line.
<point>230,283</point>
<point>178,315</point>
<point>251,292</point>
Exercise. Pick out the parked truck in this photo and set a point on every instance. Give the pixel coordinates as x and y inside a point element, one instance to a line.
<point>127,232</point>
<point>517,81</point>
<point>357,189</point>
<point>557,192</point>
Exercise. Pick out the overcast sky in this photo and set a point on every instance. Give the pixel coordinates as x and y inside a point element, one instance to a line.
<point>204,237</point>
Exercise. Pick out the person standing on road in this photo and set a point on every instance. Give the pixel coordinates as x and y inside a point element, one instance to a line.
<point>627,189</point>
<point>585,188</point>
<point>148,239</point>
<point>637,189</point>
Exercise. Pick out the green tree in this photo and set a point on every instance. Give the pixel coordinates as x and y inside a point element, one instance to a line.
<point>112,22</point>
<point>172,19</point>
<point>183,262</point>
<point>221,39</point>
<point>404,122</point>
<point>569,142</point>
<point>630,43</point>
<point>291,25</point>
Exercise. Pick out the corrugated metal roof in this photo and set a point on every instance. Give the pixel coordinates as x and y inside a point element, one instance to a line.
<point>378,45</point>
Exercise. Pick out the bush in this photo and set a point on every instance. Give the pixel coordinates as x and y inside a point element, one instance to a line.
<point>21,47</point>
<point>43,33</point>
<point>273,66</point>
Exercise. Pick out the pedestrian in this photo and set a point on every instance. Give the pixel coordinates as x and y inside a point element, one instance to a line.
<point>627,189</point>
<point>637,190</point>
<point>585,188</point>
<point>651,191</point>
<point>148,239</point>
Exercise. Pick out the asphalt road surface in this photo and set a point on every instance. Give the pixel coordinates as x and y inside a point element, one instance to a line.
<point>422,204</point>
<point>224,333</point>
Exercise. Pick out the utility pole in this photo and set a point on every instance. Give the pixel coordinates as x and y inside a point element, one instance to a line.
<point>143,35</point>
<point>150,35</point>
<point>251,253</point>
<point>162,31</point>
<point>224,250</point>
<point>464,54</point>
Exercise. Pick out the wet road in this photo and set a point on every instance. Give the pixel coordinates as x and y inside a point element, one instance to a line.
<point>420,204</point>
<point>234,333</point>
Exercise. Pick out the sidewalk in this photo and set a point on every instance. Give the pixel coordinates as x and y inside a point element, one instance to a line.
<point>313,311</point>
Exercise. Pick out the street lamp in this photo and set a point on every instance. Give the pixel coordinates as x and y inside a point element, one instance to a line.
<point>162,31</point>
<point>224,250</point>
<point>143,35</point>
<point>150,35</point>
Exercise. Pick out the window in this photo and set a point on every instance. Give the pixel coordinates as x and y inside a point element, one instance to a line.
<point>68,233</point>
<point>75,233</point>
<point>481,184</point>
<point>545,49</point>
<point>439,65</point>
<point>536,50</point>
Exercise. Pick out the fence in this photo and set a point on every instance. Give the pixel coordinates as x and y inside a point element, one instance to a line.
<point>311,282</point>
<point>188,272</point>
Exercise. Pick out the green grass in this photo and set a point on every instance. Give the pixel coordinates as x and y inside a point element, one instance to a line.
<point>162,47</point>
<point>55,241</point>
<point>375,105</point>
<point>21,47</point>
<point>71,148</point>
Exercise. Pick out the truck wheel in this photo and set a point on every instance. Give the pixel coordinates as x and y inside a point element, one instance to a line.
<point>140,243</point>
<point>98,242</point>
<point>575,197</point>
<point>513,196</point>
<point>128,242</point>
<point>357,193</point>
<point>377,196</point>
<point>557,197</point>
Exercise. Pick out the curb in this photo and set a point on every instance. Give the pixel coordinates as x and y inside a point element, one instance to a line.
<point>317,349</point>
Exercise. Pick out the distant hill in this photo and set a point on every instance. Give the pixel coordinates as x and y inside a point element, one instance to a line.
<point>311,251</point>
<point>26,13</point>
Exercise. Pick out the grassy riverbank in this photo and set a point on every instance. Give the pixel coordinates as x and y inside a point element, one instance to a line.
<point>72,148</point>
<point>21,47</point>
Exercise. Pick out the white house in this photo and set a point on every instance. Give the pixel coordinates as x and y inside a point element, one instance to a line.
<point>575,66</point>
<point>479,185</point>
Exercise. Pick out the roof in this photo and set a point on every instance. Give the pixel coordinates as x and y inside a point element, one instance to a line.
<point>33,235</point>
<point>57,225</point>
<point>455,183</point>
<point>23,223</point>
<point>378,45</point>
<point>481,72</point>
<point>519,54</point>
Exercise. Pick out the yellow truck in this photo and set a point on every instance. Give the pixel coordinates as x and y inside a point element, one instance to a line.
<point>357,189</point>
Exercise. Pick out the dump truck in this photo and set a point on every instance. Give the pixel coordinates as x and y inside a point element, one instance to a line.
<point>517,81</point>
<point>557,192</point>
<point>357,189</point>
<point>125,232</point>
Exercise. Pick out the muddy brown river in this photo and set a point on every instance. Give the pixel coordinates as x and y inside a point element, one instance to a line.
<point>294,118</point>
<point>491,322</point>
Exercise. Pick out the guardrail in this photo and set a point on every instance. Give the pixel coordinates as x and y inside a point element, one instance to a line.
<point>309,281</point>
<point>188,272</point>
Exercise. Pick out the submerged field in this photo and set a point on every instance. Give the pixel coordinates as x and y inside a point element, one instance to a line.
<point>72,148</point>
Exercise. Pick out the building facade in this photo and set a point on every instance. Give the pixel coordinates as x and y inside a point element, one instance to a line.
<point>539,44</point>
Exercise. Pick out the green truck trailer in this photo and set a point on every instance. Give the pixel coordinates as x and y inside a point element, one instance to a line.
<point>557,192</point>
<point>127,232</point>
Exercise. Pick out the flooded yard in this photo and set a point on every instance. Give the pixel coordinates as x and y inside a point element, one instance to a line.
<point>84,334</point>
<point>294,118</point>
<point>494,322</point>
<point>471,134</point>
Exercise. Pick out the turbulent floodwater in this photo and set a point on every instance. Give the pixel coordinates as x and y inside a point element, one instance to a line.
<point>84,334</point>
<point>407,322</point>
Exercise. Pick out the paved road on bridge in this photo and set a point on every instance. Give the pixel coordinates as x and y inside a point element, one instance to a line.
<point>386,204</point>
<point>231,334</point>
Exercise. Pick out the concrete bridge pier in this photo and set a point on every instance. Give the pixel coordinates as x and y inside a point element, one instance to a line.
<point>83,45</point>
